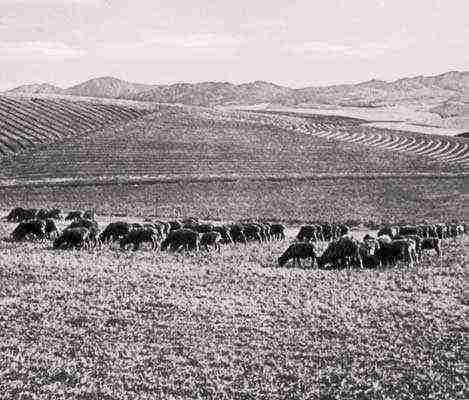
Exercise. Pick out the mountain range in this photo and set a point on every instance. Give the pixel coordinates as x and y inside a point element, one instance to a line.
<point>447,88</point>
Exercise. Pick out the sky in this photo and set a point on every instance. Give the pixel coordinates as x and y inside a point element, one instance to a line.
<point>294,43</point>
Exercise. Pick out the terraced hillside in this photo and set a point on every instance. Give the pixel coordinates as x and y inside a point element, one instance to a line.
<point>350,130</point>
<point>27,122</point>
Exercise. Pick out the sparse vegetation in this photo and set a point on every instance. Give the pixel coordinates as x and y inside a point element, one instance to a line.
<point>112,325</point>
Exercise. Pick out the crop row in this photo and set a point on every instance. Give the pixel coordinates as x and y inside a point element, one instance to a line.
<point>168,143</point>
<point>27,122</point>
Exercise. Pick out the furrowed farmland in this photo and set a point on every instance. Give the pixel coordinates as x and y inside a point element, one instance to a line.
<point>103,295</point>
<point>173,142</point>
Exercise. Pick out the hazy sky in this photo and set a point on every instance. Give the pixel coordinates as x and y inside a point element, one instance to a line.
<point>296,43</point>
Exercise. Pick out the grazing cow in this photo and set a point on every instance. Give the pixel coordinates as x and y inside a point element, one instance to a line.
<point>298,251</point>
<point>418,244</point>
<point>72,237</point>
<point>20,214</point>
<point>73,215</point>
<point>408,230</point>
<point>344,252</point>
<point>237,233</point>
<point>391,231</point>
<point>92,226</point>
<point>400,249</point>
<point>175,225</point>
<point>89,214</point>
<point>33,228</point>
<point>181,239</point>
<point>431,244</point>
<point>138,236</point>
<point>277,231</point>
<point>50,228</point>
<point>368,250</point>
<point>252,232</point>
<point>308,233</point>
<point>327,231</point>
<point>114,231</point>
<point>210,239</point>
<point>224,231</point>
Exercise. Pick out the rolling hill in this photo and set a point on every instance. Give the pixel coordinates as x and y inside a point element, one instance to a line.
<point>92,141</point>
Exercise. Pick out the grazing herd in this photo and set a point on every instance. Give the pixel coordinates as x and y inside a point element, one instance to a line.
<point>393,243</point>
<point>327,245</point>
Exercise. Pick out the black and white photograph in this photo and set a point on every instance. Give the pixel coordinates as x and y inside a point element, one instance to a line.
<point>234,200</point>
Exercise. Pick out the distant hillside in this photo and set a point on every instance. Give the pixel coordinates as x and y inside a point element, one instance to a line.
<point>431,90</point>
<point>107,87</point>
<point>36,88</point>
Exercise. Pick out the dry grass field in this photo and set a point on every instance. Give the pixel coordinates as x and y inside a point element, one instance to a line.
<point>106,324</point>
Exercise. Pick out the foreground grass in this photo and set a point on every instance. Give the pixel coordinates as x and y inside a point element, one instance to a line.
<point>144,325</point>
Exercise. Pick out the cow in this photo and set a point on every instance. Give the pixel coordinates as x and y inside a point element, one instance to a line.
<point>76,237</point>
<point>33,228</point>
<point>72,215</point>
<point>92,226</point>
<point>138,236</point>
<point>237,233</point>
<point>210,239</point>
<point>308,233</point>
<point>181,239</point>
<point>344,252</point>
<point>298,251</point>
<point>431,244</point>
<point>277,231</point>
<point>400,249</point>
<point>114,231</point>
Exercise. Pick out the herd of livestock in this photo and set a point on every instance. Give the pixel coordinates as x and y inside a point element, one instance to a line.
<point>392,243</point>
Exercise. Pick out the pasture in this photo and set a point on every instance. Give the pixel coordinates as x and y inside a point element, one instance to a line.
<point>138,325</point>
<point>297,200</point>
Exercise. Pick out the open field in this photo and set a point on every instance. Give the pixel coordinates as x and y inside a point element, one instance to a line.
<point>112,325</point>
<point>413,117</point>
<point>376,199</point>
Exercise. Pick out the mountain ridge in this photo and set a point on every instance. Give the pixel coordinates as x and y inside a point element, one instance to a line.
<point>452,85</point>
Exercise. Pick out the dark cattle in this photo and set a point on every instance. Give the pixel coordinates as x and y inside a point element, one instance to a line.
<point>20,214</point>
<point>73,215</point>
<point>418,244</point>
<point>408,230</point>
<point>165,226</point>
<point>181,239</point>
<point>175,225</point>
<point>34,229</point>
<point>89,214</point>
<point>50,228</point>
<point>368,252</point>
<point>224,231</point>
<point>441,231</point>
<point>72,237</point>
<point>391,231</point>
<point>431,244</point>
<point>277,231</point>
<point>308,233</point>
<point>344,252</point>
<point>298,251</point>
<point>344,229</point>
<point>455,230</point>
<point>252,232</point>
<point>237,233</point>
<point>210,239</point>
<point>138,236</point>
<point>401,249</point>
<point>200,228</point>
<point>327,231</point>
<point>115,231</point>
<point>92,226</point>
